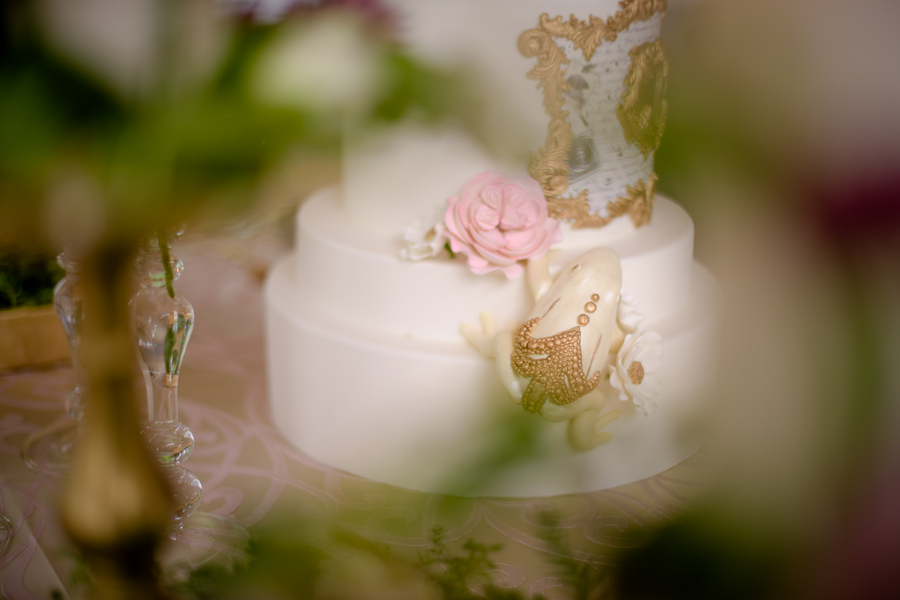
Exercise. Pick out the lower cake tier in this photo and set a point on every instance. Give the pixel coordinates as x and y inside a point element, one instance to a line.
<point>418,413</point>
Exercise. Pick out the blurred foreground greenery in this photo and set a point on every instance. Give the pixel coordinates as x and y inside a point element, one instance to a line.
<point>27,277</point>
<point>806,503</point>
<point>289,564</point>
<point>699,556</point>
<point>195,127</point>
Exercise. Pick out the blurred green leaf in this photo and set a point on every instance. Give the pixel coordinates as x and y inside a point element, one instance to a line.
<point>27,278</point>
<point>583,579</point>
<point>411,85</point>
<point>159,157</point>
<point>516,438</point>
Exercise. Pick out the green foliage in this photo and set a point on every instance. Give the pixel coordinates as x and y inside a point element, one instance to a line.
<point>163,240</point>
<point>515,439</point>
<point>413,86</point>
<point>168,353</point>
<point>158,154</point>
<point>79,578</point>
<point>286,563</point>
<point>50,110</point>
<point>34,122</point>
<point>278,566</point>
<point>27,278</point>
<point>459,573</point>
<point>583,579</point>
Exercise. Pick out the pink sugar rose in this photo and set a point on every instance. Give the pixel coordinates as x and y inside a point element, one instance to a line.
<point>498,221</point>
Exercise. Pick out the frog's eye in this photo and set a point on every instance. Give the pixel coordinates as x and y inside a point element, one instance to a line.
<point>575,268</point>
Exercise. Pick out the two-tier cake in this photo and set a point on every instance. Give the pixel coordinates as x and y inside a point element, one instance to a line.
<point>438,290</point>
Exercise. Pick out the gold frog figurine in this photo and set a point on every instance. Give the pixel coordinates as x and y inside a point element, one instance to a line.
<point>553,363</point>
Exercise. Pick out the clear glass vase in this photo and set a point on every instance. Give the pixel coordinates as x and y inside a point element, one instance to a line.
<point>49,450</point>
<point>161,321</point>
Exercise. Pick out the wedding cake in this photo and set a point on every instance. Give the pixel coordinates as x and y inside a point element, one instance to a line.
<point>441,290</point>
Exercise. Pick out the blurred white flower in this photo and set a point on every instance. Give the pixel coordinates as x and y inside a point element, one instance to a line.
<point>635,369</point>
<point>426,237</point>
<point>328,63</point>
<point>120,41</point>
<point>113,39</point>
<point>627,314</point>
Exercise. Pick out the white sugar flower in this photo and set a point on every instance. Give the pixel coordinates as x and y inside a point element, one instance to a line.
<point>635,369</point>
<point>426,237</point>
<point>627,314</point>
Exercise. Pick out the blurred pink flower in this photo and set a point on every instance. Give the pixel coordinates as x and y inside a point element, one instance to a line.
<point>498,221</point>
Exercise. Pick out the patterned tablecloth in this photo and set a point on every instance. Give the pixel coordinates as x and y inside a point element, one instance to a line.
<point>251,473</point>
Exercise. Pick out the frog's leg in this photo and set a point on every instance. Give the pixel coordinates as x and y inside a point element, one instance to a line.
<point>503,349</point>
<point>496,345</point>
<point>537,271</point>
<point>586,429</point>
<point>556,413</point>
<point>483,340</point>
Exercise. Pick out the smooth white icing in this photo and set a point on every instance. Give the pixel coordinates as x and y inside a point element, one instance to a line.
<point>395,176</point>
<point>354,274</point>
<point>409,411</point>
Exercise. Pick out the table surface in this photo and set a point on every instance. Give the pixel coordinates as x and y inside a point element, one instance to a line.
<point>252,474</point>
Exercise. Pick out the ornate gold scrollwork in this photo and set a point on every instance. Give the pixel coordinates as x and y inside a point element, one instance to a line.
<point>637,203</point>
<point>643,109</point>
<point>548,166</point>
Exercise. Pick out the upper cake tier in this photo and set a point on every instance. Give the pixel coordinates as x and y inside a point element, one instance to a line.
<point>572,91</point>
<point>343,265</point>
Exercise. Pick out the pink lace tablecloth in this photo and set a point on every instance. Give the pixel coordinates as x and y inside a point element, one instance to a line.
<point>251,473</point>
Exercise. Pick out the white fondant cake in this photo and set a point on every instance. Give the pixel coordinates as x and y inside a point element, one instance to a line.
<point>368,369</point>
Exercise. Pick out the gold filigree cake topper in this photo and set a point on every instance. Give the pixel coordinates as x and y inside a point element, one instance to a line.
<point>637,204</point>
<point>548,166</point>
<point>554,365</point>
<point>643,109</point>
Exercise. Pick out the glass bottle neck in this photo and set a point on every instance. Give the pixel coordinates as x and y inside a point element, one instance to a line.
<point>149,265</point>
<point>67,261</point>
